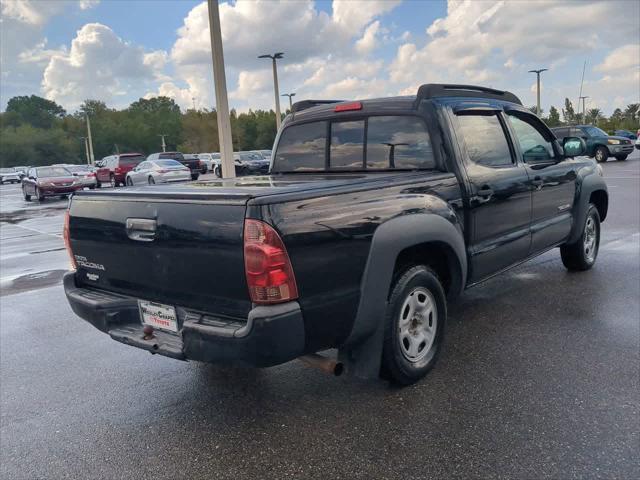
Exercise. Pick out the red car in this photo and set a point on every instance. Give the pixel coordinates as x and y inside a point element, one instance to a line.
<point>113,169</point>
<point>44,182</point>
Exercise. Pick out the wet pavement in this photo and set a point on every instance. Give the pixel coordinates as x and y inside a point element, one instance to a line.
<point>539,379</point>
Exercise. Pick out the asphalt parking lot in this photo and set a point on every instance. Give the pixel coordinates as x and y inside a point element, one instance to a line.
<point>539,379</point>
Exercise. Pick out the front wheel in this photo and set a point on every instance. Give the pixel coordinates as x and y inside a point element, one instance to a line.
<point>582,254</point>
<point>414,325</point>
<point>601,154</point>
<point>151,180</point>
<point>129,182</point>
<point>112,181</point>
<point>621,158</point>
<point>39,195</point>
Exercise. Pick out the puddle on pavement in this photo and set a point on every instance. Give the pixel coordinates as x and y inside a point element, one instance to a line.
<point>31,281</point>
<point>21,215</point>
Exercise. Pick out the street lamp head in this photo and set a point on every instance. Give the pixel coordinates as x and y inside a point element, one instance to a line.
<point>278,55</point>
<point>265,56</point>
<point>275,56</point>
<point>538,71</point>
<point>288,95</point>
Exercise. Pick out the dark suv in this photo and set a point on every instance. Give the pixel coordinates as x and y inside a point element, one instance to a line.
<point>600,144</point>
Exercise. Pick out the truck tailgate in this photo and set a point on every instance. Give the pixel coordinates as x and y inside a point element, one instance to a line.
<point>193,258</point>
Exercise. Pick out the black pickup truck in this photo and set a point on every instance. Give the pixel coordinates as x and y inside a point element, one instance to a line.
<point>374,215</point>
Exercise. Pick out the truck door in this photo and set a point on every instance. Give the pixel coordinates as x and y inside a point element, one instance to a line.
<point>498,196</point>
<point>552,178</point>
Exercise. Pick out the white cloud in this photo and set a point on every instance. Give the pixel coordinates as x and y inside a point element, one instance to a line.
<point>622,58</point>
<point>99,65</point>
<point>485,42</point>
<point>87,4</point>
<point>368,41</point>
<point>31,12</point>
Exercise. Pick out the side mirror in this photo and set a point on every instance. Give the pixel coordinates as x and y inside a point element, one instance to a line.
<point>574,146</point>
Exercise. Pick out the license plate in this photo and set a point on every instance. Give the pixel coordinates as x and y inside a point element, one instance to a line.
<point>157,315</point>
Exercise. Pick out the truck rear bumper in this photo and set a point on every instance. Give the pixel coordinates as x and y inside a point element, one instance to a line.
<point>269,336</point>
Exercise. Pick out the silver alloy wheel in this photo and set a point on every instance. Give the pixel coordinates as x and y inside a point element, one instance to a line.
<point>590,240</point>
<point>599,155</point>
<point>417,324</point>
<point>112,181</point>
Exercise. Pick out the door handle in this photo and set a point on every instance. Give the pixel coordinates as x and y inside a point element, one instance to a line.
<point>141,229</point>
<point>485,191</point>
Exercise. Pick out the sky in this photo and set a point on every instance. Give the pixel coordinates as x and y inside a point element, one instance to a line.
<point>119,51</point>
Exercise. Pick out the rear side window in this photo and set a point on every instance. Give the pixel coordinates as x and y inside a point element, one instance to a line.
<point>398,142</point>
<point>347,145</point>
<point>130,161</point>
<point>302,148</point>
<point>388,141</point>
<point>172,156</point>
<point>485,140</point>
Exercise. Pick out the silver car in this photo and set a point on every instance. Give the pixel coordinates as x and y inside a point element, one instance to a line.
<point>9,175</point>
<point>86,175</point>
<point>158,171</point>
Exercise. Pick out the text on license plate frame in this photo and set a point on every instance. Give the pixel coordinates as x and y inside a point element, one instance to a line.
<point>158,315</point>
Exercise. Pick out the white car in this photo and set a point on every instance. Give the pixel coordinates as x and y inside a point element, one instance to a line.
<point>158,171</point>
<point>210,160</point>
<point>9,175</point>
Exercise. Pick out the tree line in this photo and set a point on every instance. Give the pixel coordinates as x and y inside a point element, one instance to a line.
<point>37,131</point>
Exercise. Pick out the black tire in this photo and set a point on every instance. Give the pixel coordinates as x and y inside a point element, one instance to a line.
<point>578,256</point>
<point>62,197</point>
<point>112,181</point>
<point>151,180</point>
<point>39,195</point>
<point>129,182</point>
<point>27,197</point>
<point>217,171</point>
<point>98,184</point>
<point>601,154</point>
<point>409,286</point>
<point>194,176</point>
<point>621,158</point>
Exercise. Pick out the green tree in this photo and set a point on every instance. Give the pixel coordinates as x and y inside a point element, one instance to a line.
<point>36,111</point>
<point>553,120</point>
<point>568,113</point>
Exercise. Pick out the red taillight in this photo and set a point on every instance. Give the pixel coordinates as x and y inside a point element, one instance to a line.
<point>118,170</point>
<point>67,240</point>
<point>266,264</point>
<point>346,107</point>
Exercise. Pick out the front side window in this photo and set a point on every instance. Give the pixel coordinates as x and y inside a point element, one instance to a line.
<point>534,147</point>
<point>485,140</point>
<point>398,142</point>
<point>302,148</point>
<point>347,145</point>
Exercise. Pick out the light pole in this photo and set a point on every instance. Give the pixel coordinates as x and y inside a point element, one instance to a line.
<point>220,83</point>
<point>584,111</point>
<point>273,58</point>
<point>538,72</point>
<point>164,145</point>
<point>86,149</point>
<point>290,101</point>
<point>91,157</point>
<point>392,152</point>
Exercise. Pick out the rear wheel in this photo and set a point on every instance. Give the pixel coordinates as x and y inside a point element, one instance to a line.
<point>621,158</point>
<point>98,184</point>
<point>194,176</point>
<point>129,182</point>
<point>151,180</point>
<point>414,325</point>
<point>582,254</point>
<point>601,154</point>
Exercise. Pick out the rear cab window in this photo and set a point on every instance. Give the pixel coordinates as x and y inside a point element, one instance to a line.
<point>485,139</point>
<point>130,161</point>
<point>383,142</point>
